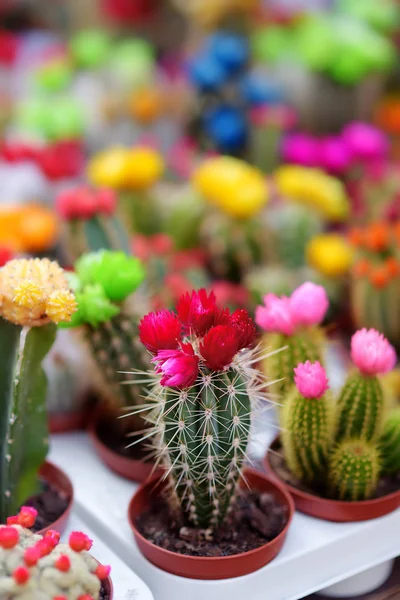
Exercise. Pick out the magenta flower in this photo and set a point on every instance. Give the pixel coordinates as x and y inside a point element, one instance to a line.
<point>364,141</point>
<point>308,304</point>
<point>310,379</point>
<point>160,331</point>
<point>300,149</point>
<point>371,352</point>
<point>179,368</point>
<point>334,155</point>
<point>276,315</point>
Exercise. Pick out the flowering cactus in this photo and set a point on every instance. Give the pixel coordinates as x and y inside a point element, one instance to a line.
<point>35,566</point>
<point>202,394</point>
<point>34,297</point>
<point>291,323</point>
<point>361,402</point>
<point>90,222</point>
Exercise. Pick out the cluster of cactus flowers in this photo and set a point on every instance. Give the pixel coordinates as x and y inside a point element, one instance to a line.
<point>341,448</point>
<point>90,221</point>
<point>375,288</point>
<point>35,296</point>
<point>201,396</point>
<point>292,322</point>
<point>40,567</point>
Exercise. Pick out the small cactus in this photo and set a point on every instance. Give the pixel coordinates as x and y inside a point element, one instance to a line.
<point>202,395</point>
<point>39,567</point>
<point>389,443</point>
<point>307,423</point>
<point>34,297</point>
<point>354,470</point>
<point>361,402</point>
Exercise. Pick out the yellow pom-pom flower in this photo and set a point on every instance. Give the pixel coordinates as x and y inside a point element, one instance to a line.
<point>145,167</point>
<point>329,254</point>
<point>110,168</point>
<point>231,184</point>
<point>35,292</point>
<point>313,188</point>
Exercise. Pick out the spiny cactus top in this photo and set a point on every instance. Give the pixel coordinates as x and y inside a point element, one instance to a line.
<point>39,567</point>
<point>35,292</point>
<point>102,280</point>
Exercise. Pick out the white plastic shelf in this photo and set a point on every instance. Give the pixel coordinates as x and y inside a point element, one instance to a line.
<point>316,553</point>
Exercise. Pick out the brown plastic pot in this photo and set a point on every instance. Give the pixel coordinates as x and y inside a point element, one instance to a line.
<point>108,586</point>
<point>199,567</point>
<point>336,510</point>
<point>57,479</point>
<point>63,422</point>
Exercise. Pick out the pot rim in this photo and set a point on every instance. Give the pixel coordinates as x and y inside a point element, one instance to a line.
<point>60,521</point>
<point>154,481</point>
<point>324,501</point>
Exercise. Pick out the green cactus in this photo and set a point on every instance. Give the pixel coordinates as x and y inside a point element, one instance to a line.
<point>307,434</point>
<point>360,408</point>
<point>354,470</point>
<point>389,443</point>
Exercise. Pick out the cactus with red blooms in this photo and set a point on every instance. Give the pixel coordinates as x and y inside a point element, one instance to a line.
<point>39,567</point>
<point>90,222</point>
<point>342,448</point>
<point>292,323</point>
<point>201,398</point>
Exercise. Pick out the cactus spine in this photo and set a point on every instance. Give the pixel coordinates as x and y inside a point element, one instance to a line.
<point>354,470</point>
<point>307,435</point>
<point>389,443</point>
<point>360,408</point>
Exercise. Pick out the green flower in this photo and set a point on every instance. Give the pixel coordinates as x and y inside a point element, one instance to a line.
<point>93,308</point>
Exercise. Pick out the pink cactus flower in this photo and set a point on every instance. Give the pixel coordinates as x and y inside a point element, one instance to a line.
<point>364,141</point>
<point>179,368</point>
<point>308,304</point>
<point>276,315</point>
<point>310,379</point>
<point>300,149</point>
<point>334,155</point>
<point>372,353</point>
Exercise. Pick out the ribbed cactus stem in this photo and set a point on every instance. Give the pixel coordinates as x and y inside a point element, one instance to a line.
<point>360,408</point>
<point>307,434</point>
<point>204,439</point>
<point>101,232</point>
<point>140,210</point>
<point>389,443</point>
<point>354,470</point>
<point>23,419</point>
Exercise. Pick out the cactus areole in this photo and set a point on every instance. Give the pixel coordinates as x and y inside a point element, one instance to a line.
<point>201,399</point>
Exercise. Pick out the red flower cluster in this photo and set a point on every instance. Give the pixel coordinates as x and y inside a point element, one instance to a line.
<point>217,334</point>
<point>84,203</point>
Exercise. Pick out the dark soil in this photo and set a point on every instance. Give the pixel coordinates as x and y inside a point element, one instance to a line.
<point>254,520</point>
<point>117,442</point>
<point>387,483</point>
<point>50,504</point>
<point>104,594</point>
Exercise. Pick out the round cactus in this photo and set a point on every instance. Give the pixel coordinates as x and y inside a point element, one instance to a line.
<point>354,470</point>
<point>389,443</point>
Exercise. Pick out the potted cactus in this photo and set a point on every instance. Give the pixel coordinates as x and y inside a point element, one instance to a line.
<point>35,296</point>
<point>107,319</point>
<point>340,459</point>
<point>36,566</point>
<point>201,398</point>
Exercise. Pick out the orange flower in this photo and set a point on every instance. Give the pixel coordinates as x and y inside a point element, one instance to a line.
<point>377,236</point>
<point>361,268</point>
<point>392,266</point>
<point>38,228</point>
<point>387,115</point>
<point>356,236</point>
<point>146,105</point>
<point>379,277</point>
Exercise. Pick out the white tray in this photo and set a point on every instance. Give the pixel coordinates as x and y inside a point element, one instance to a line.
<point>316,553</point>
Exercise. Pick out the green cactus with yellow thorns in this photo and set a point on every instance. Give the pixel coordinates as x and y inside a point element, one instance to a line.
<point>389,443</point>
<point>354,469</point>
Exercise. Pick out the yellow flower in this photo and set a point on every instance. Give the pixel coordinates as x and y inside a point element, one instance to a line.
<point>231,184</point>
<point>313,188</point>
<point>210,12</point>
<point>329,254</point>
<point>34,292</point>
<point>110,168</point>
<point>145,167</point>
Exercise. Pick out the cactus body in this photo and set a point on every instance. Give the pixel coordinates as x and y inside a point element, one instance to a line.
<point>300,347</point>
<point>354,470</point>
<point>98,233</point>
<point>140,210</point>
<point>360,408</point>
<point>204,439</point>
<point>389,443</point>
<point>23,423</point>
<point>307,434</point>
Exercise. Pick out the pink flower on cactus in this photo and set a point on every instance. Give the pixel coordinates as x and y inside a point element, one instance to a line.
<point>160,331</point>
<point>310,379</point>
<point>179,368</point>
<point>334,155</point>
<point>276,315</point>
<point>77,203</point>
<point>372,353</point>
<point>300,149</point>
<point>106,201</point>
<point>308,304</point>
<point>364,141</point>
<point>219,346</point>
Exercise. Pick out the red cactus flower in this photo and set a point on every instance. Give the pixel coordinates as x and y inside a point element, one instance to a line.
<point>27,516</point>
<point>77,203</point>
<point>103,572</point>
<point>79,541</point>
<point>5,255</point>
<point>9,45</point>
<point>31,556</point>
<point>9,537</point>
<point>12,520</point>
<point>179,368</point>
<point>53,535</point>
<point>245,329</point>
<point>197,311</point>
<point>106,201</point>
<point>21,575</point>
<point>160,331</point>
<point>14,152</point>
<point>219,346</point>
<point>63,563</point>
<point>44,547</point>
